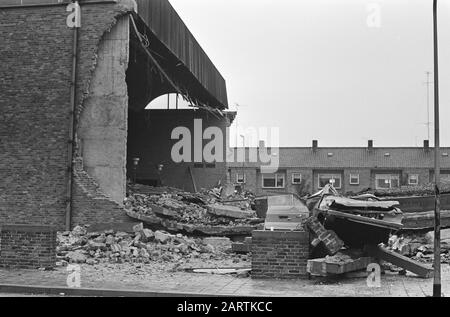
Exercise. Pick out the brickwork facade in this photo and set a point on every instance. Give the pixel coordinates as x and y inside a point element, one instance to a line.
<point>279,254</point>
<point>27,246</point>
<point>36,63</point>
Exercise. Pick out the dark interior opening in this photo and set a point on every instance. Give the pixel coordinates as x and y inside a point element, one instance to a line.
<point>144,84</point>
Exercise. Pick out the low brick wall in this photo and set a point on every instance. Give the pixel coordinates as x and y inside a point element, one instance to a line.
<point>27,246</point>
<point>279,254</point>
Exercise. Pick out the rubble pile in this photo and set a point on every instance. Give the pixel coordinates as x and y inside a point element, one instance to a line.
<point>141,246</point>
<point>190,208</point>
<point>416,190</point>
<point>420,247</point>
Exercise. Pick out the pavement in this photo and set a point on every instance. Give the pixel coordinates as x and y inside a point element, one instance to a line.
<point>129,278</point>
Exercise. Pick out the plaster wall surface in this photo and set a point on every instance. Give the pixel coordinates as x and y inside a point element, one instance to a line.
<point>103,122</point>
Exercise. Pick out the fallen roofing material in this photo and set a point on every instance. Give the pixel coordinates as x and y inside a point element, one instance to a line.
<point>184,57</point>
<point>357,221</point>
<point>424,220</point>
<point>342,203</point>
<point>363,223</point>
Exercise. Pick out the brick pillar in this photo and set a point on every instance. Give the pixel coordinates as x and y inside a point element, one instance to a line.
<point>279,254</point>
<point>27,246</point>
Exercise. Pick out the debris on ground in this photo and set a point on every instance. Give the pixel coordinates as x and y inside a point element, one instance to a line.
<point>142,246</point>
<point>367,223</point>
<point>244,272</point>
<point>205,212</point>
<point>420,246</point>
<point>382,253</point>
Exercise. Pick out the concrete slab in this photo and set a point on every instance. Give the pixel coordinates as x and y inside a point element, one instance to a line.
<point>229,211</point>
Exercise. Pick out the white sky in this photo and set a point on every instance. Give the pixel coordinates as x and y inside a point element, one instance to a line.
<point>315,70</point>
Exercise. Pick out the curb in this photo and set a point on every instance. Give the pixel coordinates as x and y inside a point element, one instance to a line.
<point>94,292</point>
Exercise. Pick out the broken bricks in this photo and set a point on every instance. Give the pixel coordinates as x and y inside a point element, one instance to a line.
<point>327,238</point>
<point>141,247</point>
<point>203,212</point>
<point>162,237</point>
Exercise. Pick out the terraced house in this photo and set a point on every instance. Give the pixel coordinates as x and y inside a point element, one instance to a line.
<point>351,169</point>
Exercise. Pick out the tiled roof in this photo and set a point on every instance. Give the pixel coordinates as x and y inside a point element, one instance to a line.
<point>352,157</point>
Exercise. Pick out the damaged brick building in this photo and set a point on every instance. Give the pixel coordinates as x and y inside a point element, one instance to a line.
<point>73,105</point>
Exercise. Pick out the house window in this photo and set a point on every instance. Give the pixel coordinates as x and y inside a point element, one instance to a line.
<point>413,179</point>
<point>354,179</point>
<point>210,165</point>
<point>445,177</point>
<point>198,165</point>
<point>334,179</point>
<point>296,178</point>
<point>386,181</point>
<point>240,178</point>
<point>273,181</point>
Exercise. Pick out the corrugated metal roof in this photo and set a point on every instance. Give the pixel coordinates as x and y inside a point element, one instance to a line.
<point>352,157</point>
<point>170,29</point>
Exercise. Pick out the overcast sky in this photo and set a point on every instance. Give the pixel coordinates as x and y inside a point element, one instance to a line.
<point>316,70</point>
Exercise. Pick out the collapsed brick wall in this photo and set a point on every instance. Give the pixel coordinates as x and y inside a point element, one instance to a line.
<point>279,254</point>
<point>27,246</point>
<point>35,63</point>
<point>92,205</point>
<point>326,238</point>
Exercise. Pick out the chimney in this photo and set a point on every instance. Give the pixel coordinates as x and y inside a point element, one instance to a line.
<point>314,145</point>
<point>370,145</point>
<point>426,145</point>
<point>261,144</point>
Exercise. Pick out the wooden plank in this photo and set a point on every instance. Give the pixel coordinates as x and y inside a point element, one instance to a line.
<point>379,252</point>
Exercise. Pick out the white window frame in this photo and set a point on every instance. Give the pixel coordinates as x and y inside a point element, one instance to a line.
<point>416,176</point>
<point>299,175</point>
<point>331,176</point>
<point>275,176</point>
<point>237,178</point>
<point>353,175</point>
<point>389,177</point>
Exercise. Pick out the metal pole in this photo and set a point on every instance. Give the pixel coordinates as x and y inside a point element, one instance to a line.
<point>428,104</point>
<point>437,216</point>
